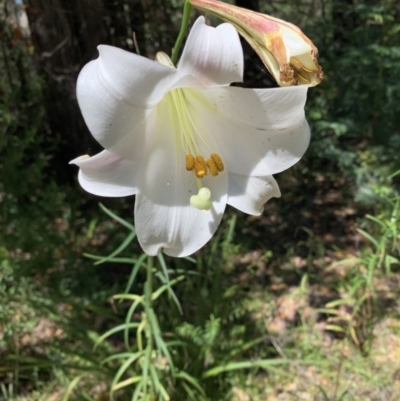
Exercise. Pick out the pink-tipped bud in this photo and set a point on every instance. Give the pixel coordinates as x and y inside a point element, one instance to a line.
<point>289,55</point>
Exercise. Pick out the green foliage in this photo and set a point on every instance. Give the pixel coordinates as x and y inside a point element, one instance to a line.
<point>163,356</point>
<point>354,112</point>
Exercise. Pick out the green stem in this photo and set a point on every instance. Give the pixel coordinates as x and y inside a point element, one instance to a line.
<point>182,33</point>
<point>148,293</point>
<point>148,305</point>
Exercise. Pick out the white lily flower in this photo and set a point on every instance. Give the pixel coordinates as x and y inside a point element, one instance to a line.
<point>183,141</point>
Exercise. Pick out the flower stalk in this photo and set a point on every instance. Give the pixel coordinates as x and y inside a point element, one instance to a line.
<point>148,306</point>
<point>187,8</point>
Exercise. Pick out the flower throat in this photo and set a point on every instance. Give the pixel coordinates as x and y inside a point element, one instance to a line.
<point>188,136</point>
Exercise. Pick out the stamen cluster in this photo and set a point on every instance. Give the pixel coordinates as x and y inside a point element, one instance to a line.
<point>200,166</point>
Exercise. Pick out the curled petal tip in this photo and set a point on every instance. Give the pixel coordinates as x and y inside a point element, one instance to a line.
<point>79,159</point>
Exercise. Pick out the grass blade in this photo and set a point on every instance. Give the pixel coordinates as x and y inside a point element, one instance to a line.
<point>113,331</point>
<point>139,263</point>
<point>117,218</point>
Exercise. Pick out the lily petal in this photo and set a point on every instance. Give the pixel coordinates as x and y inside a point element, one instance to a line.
<point>274,108</point>
<point>106,174</point>
<point>265,152</point>
<point>248,194</point>
<point>164,218</point>
<point>137,80</point>
<point>114,122</point>
<point>276,145</point>
<point>213,55</point>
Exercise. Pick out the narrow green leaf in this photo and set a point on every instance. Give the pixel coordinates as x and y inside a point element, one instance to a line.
<point>324,394</point>
<point>265,364</point>
<point>113,331</point>
<point>376,220</point>
<point>129,261</point>
<point>130,297</point>
<point>327,311</point>
<point>158,385</point>
<point>124,383</point>
<point>117,251</point>
<point>190,259</point>
<point>158,338</point>
<point>139,263</point>
<point>231,229</point>
<point>146,365</point>
<point>123,368</point>
<point>72,386</point>
<point>136,393</point>
<point>121,355</point>
<point>139,331</point>
<point>172,294</point>
<point>246,346</point>
<point>194,382</point>
<point>342,301</point>
<point>128,319</point>
<point>334,327</point>
<point>117,218</point>
<point>398,171</point>
<point>369,237</point>
<point>341,397</point>
<point>189,392</point>
<point>167,287</point>
<point>166,275</point>
<point>87,397</point>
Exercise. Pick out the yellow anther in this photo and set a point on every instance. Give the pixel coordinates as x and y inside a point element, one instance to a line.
<point>190,160</point>
<point>299,66</point>
<point>218,162</point>
<point>200,159</point>
<point>296,64</point>
<point>212,167</point>
<point>302,77</point>
<point>200,167</point>
<point>199,170</point>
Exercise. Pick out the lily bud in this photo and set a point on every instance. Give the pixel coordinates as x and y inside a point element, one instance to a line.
<point>289,55</point>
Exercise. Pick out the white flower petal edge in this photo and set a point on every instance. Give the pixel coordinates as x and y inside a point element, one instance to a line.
<point>248,194</point>
<point>164,218</point>
<point>214,56</point>
<point>106,174</point>
<point>273,109</point>
<point>138,80</point>
<point>111,119</point>
<point>265,153</point>
<point>267,140</point>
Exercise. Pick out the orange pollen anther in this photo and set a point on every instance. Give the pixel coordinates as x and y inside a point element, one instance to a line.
<point>218,162</point>
<point>190,161</point>
<point>212,167</point>
<point>200,167</point>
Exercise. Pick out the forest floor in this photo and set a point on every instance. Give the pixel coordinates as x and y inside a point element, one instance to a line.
<point>301,291</point>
